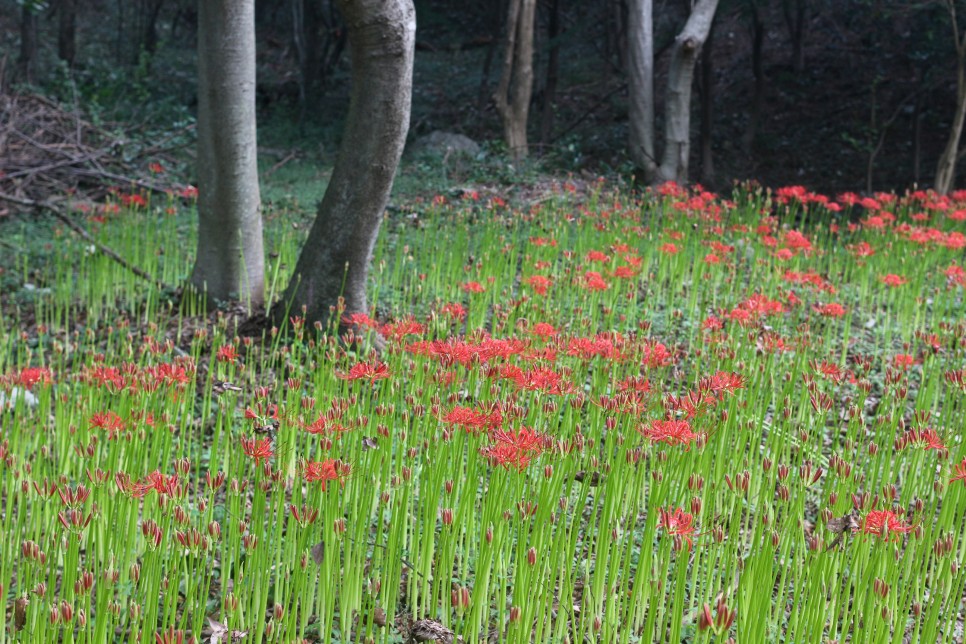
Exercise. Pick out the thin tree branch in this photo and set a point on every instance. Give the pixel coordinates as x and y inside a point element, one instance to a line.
<point>86,236</point>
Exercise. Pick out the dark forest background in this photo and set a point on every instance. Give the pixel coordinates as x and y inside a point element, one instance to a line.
<point>836,95</point>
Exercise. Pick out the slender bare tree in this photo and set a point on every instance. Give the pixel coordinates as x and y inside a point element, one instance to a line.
<point>946,169</point>
<point>512,96</point>
<point>230,261</point>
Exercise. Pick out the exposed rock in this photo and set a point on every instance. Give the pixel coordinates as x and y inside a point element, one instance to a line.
<point>443,143</point>
<point>16,394</point>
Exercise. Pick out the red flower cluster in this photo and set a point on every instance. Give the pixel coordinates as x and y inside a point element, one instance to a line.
<point>327,470</point>
<point>885,524</point>
<point>515,449</point>
<point>677,523</point>
<point>366,371</point>
<point>672,432</point>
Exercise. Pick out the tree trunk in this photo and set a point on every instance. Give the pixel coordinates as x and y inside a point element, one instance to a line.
<point>677,110</point>
<point>553,71</point>
<point>917,141</point>
<point>758,70</point>
<point>150,30</point>
<point>946,169</point>
<point>796,19</point>
<point>67,31</point>
<point>516,84</point>
<point>707,110</point>
<point>640,83</point>
<point>28,42</point>
<point>335,260</point>
<point>230,261</point>
<point>493,19</point>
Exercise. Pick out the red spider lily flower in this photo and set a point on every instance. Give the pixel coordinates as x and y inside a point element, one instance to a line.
<point>927,438</point>
<point>597,256</point>
<point>831,310</point>
<point>259,449</point>
<point>499,348</point>
<point>447,352</point>
<point>590,348</point>
<point>862,249</point>
<point>831,371</point>
<point>636,384</point>
<point>893,280</point>
<point>711,323</point>
<point>624,272</point>
<point>539,283</point>
<point>960,473</point>
<point>110,377</point>
<point>30,376</point>
<point>472,419</point>
<point>188,192</point>
<point>543,241</point>
<point>516,449</point>
<point>885,524</point>
<point>711,258</point>
<point>108,421</point>
<point>473,287</point>
<point>359,320</point>
<point>398,330</point>
<point>453,310</point>
<point>541,379</point>
<point>262,413</point>
<point>367,371</point>
<point>677,523</point>
<point>668,249</point>
<point>955,275</point>
<point>327,470</point>
<point>694,404</point>
<point>543,330</point>
<point>162,484</point>
<point>227,353</point>
<point>672,432</point>
<point>721,383</point>
<point>135,200</point>
<point>656,355</point>
<point>594,282</point>
<point>810,279</point>
<point>797,241</point>
<point>156,167</point>
<point>318,426</point>
<point>903,361</point>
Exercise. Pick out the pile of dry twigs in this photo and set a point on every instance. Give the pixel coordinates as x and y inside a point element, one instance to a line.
<point>49,153</point>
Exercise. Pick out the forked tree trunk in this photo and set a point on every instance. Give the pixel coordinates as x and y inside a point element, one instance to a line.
<point>516,83</point>
<point>336,256</point>
<point>946,169</point>
<point>230,261</point>
<point>677,111</point>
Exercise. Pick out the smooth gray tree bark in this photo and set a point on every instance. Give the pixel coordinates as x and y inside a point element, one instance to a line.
<point>230,261</point>
<point>335,260</point>
<point>673,165</point>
